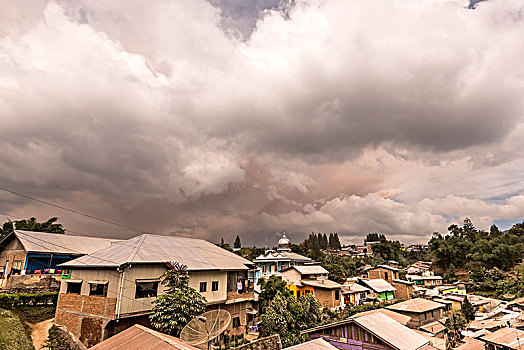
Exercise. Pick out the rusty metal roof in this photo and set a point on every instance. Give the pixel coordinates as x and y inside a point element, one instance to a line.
<point>510,337</point>
<point>139,337</point>
<point>196,254</point>
<point>417,305</point>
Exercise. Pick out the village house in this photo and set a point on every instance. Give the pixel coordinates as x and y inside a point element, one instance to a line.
<point>273,262</point>
<point>404,289</point>
<point>107,291</point>
<point>382,290</point>
<point>313,279</point>
<point>370,332</point>
<point>418,268</point>
<point>425,281</point>
<point>421,311</point>
<point>29,260</point>
<point>354,293</point>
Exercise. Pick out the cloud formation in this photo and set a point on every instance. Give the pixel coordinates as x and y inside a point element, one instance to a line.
<point>212,119</point>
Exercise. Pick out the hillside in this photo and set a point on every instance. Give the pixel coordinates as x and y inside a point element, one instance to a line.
<point>13,335</point>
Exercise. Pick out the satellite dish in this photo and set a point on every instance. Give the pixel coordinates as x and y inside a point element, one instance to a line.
<point>206,327</point>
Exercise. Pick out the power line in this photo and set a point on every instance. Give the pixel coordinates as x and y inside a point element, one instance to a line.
<point>71,210</point>
<point>228,254</point>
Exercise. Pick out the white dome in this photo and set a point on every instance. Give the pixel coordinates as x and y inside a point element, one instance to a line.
<point>284,241</point>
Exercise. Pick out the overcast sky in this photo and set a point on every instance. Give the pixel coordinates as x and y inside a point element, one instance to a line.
<point>216,118</point>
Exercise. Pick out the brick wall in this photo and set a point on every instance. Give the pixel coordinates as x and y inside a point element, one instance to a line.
<point>326,297</point>
<point>85,316</point>
<point>403,292</point>
<point>381,273</point>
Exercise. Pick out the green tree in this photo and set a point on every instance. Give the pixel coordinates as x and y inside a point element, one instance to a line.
<point>270,288</point>
<point>287,316</point>
<point>237,243</point>
<point>32,224</point>
<point>174,309</point>
<point>468,310</point>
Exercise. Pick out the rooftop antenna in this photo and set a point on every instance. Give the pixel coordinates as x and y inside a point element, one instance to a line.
<point>206,327</point>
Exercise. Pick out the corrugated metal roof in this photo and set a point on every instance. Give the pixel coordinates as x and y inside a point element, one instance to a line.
<point>379,285</point>
<point>328,284</point>
<point>354,288</point>
<point>196,254</point>
<point>402,319</point>
<point>387,267</point>
<point>139,337</point>
<point>312,345</point>
<point>43,242</point>
<point>392,332</point>
<point>281,256</point>
<point>417,305</point>
<point>510,337</point>
<point>311,270</point>
<point>387,329</point>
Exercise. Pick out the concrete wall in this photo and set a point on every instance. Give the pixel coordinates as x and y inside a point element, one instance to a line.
<point>32,284</point>
<point>420,319</point>
<point>291,275</point>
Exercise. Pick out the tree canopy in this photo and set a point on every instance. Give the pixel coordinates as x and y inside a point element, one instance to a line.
<point>32,224</point>
<point>174,309</point>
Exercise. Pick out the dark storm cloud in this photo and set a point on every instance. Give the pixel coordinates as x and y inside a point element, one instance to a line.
<point>157,114</point>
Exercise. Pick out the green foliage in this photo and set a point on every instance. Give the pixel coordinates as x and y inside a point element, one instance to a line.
<point>455,322</point>
<point>8,301</point>
<point>32,224</point>
<point>374,237</point>
<point>468,310</point>
<point>250,253</point>
<point>225,246</point>
<point>36,313</point>
<point>387,250</point>
<point>174,309</point>
<point>237,243</point>
<point>270,288</point>
<point>468,247</point>
<point>287,316</point>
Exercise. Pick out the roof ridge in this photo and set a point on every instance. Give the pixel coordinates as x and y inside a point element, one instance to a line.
<point>137,247</point>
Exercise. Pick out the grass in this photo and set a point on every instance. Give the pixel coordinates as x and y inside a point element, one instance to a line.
<point>13,334</point>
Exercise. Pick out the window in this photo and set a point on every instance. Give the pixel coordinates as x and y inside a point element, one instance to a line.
<point>432,315</point>
<point>146,289</point>
<point>214,286</point>
<point>236,322</point>
<point>203,287</point>
<point>17,265</point>
<point>337,295</point>
<point>98,289</point>
<point>386,276</point>
<point>307,291</point>
<point>74,287</point>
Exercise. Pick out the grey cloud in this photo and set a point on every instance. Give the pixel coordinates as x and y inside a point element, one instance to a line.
<point>172,124</point>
